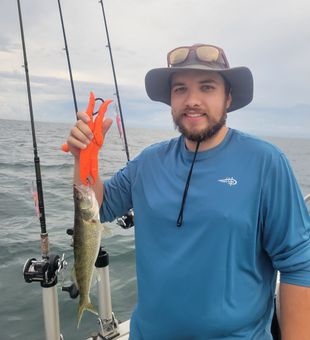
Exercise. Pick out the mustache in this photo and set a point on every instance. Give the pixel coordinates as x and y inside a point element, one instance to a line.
<point>193,109</point>
<point>189,110</point>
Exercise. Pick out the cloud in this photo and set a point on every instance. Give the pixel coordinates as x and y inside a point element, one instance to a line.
<point>268,37</point>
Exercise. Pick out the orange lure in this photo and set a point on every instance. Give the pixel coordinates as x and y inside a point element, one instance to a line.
<point>89,155</point>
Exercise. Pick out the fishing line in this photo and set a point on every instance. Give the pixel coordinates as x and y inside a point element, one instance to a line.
<point>44,235</point>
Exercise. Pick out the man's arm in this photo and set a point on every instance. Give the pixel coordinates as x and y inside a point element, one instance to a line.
<point>294,312</point>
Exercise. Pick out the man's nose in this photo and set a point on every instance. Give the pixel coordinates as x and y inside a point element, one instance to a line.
<point>193,98</point>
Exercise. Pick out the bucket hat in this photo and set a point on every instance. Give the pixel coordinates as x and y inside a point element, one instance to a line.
<point>200,57</point>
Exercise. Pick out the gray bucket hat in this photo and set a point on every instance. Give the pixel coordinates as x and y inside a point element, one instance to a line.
<point>200,57</point>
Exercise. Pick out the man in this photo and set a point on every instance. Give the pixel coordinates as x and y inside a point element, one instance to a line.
<point>217,213</point>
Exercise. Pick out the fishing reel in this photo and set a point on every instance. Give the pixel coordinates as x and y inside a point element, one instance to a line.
<point>44,271</point>
<point>126,221</point>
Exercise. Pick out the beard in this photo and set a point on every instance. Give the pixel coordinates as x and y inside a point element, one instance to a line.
<point>213,128</point>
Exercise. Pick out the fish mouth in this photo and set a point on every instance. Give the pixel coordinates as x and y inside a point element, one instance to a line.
<point>82,189</point>
<point>81,192</point>
<point>85,197</point>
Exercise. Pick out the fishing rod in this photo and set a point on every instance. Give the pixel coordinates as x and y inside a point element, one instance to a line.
<point>68,58</point>
<point>45,270</point>
<point>115,82</point>
<point>44,235</point>
<point>126,221</point>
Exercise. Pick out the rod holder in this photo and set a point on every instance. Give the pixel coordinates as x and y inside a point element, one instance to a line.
<point>51,313</point>
<point>107,321</point>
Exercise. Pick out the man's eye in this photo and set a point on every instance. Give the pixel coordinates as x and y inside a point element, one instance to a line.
<point>179,89</point>
<point>207,87</point>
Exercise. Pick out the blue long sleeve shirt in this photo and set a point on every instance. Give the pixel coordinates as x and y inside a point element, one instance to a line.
<point>244,218</point>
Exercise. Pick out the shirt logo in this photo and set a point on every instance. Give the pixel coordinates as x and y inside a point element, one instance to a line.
<point>228,180</point>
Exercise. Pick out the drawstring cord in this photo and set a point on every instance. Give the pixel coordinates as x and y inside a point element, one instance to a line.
<point>180,217</point>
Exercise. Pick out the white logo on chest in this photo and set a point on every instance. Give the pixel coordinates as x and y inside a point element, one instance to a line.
<point>228,180</point>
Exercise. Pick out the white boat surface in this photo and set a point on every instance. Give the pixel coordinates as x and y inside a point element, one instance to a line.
<point>122,331</point>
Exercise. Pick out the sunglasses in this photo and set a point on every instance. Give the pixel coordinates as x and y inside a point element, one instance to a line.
<point>204,53</point>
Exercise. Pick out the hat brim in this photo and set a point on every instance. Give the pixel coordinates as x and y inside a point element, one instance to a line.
<point>157,84</point>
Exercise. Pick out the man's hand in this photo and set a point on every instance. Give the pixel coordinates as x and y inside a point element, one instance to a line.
<point>81,135</point>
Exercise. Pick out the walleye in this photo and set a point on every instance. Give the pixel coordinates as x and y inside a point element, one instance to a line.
<point>86,243</point>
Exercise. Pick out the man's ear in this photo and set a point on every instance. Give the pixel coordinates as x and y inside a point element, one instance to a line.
<point>228,101</point>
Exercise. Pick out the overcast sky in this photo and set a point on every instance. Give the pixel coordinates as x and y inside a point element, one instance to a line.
<point>270,37</point>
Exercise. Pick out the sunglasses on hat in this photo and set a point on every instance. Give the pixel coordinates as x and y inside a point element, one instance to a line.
<point>204,53</point>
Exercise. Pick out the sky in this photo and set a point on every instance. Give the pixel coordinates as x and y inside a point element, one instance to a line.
<point>270,37</point>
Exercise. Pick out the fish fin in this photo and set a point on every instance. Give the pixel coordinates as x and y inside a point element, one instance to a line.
<point>106,231</point>
<point>83,307</point>
<point>73,276</point>
<point>97,277</point>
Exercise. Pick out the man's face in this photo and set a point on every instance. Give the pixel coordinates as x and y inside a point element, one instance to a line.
<point>199,103</point>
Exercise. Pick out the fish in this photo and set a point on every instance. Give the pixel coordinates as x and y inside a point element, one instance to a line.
<point>87,234</point>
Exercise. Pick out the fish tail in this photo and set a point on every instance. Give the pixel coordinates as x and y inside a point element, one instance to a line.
<point>88,306</point>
